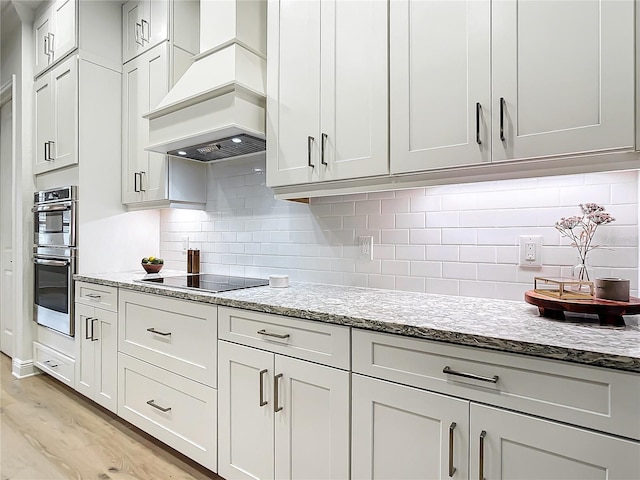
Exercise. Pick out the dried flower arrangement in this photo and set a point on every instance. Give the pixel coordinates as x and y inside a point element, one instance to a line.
<point>581,230</point>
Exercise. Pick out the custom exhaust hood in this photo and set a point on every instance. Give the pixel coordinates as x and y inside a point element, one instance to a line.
<point>216,110</point>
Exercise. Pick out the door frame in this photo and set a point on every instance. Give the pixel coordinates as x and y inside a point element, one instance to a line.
<point>8,94</point>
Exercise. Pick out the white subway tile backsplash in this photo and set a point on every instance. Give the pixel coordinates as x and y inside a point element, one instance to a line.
<point>459,236</point>
<point>386,252</point>
<point>394,267</point>
<point>395,237</point>
<point>410,284</point>
<point>462,271</point>
<point>426,269</point>
<point>410,220</point>
<point>410,252</point>
<point>444,253</point>
<point>451,239</point>
<point>442,219</point>
<point>478,254</point>
<point>368,207</point>
<point>584,194</point>
<point>395,205</point>
<point>387,282</point>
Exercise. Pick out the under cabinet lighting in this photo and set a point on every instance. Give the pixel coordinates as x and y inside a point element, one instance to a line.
<point>236,140</point>
<point>181,152</point>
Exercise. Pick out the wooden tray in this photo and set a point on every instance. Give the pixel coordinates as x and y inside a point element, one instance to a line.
<point>609,312</point>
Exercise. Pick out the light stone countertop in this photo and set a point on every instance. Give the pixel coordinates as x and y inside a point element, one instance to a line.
<point>508,326</point>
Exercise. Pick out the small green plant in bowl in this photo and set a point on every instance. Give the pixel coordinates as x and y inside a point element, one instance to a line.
<point>152,264</point>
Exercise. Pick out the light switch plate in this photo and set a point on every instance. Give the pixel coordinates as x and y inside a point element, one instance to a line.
<point>530,251</point>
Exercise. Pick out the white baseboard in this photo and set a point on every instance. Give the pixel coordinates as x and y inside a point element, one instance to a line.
<point>23,368</point>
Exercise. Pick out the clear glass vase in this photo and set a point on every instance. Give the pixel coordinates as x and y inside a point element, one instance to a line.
<point>581,273</point>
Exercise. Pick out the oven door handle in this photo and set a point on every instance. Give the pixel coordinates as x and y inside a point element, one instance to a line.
<point>59,207</point>
<point>53,263</point>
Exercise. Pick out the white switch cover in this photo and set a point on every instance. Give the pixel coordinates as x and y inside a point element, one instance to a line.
<point>365,247</point>
<point>530,251</point>
<point>185,244</point>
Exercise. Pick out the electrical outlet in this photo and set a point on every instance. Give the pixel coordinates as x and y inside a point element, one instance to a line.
<point>531,251</point>
<point>365,247</point>
<point>185,244</point>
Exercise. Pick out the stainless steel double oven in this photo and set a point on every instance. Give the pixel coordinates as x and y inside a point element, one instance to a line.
<point>54,258</point>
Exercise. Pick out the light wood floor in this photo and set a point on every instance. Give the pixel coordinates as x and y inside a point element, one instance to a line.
<point>48,431</point>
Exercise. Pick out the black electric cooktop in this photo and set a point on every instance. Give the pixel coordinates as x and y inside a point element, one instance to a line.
<point>207,282</point>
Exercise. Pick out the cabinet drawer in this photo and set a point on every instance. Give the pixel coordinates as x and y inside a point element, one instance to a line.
<point>54,363</point>
<point>177,335</point>
<point>97,295</point>
<point>602,399</point>
<point>314,341</point>
<point>174,409</point>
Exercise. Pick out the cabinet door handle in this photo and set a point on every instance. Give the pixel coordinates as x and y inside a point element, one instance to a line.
<point>452,469</point>
<point>155,405</point>
<point>482,435</point>
<point>93,296</point>
<point>157,332</point>
<point>46,154</point>
<point>323,142</point>
<point>136,188</point>
<point>502,107</point>
<point>86,329</point>
<point>141,175</point>
<point>146,37</point>
<point>493,379</point>
<point>263,402</point>
<point>310,140</point>
<point>45,43</point>
<point>271,334</point>
<point>93,329</point>
<point>138,34</point>
<point>478,110</point>
<point>50,43</point>
<point>49,364</point>
<point>276,397</point>
<point>50,144</point>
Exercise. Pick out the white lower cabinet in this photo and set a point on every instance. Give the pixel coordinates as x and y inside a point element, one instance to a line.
<point>176,410</point>
<point>97,354</point>
<point>167,371</point>
<point>56,364</point>
<point>281,417</point>
<point>514,446</point>
<point>401,432</point>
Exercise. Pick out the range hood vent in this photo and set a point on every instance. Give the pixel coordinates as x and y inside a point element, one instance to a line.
<point>222,95</point>
<point>223,149</point>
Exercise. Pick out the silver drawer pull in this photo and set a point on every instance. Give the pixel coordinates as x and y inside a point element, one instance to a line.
<point>93,295</point>
<point>49,364</point>
<point>271,334</point>
<point>493,379</point>
<point>154,405</point>
<point>153,330</point>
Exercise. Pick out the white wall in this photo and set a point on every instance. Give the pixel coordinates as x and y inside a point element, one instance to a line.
<point>456,239</point>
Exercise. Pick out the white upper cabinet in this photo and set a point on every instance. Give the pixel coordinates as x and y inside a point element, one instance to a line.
<point>485,81</point>
<point>564,72</point>
<point>56,34</point>
<point>144,25</point>
<point>144,82</point>
<point>151,179</point>
<point>326,91</point>
<point>440,63</point>
<point>56,117</point>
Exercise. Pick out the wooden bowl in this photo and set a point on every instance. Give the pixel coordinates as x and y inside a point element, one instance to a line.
<point>152,267</point>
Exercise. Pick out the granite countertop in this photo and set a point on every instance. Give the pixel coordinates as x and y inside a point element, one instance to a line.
<point>508,326</point>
